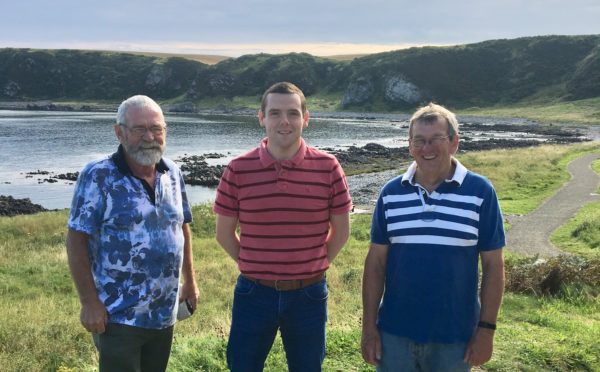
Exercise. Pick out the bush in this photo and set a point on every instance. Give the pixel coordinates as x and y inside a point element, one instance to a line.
<point>558,276</point>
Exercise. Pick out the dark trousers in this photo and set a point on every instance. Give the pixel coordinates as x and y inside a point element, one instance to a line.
<point>125,348</point>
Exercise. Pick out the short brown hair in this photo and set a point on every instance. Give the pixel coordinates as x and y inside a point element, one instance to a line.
<point>283,87</point>
<point>430,114</point>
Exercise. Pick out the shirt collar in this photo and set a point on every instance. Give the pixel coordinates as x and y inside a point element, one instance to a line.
<point>457,178</point>
<point>267,159</point>
<point>119,159</point>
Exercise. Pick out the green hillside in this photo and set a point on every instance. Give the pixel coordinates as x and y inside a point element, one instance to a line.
<point>496,72</point>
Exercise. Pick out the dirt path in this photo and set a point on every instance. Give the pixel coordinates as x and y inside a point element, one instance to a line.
<point>530,233</point>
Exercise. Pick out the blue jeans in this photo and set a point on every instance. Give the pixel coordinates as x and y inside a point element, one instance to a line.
<point>402,354</point>
<point>259,311</point>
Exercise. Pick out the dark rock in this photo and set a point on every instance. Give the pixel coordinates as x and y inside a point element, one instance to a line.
<point>196,171</point>
<point>10,206</point>
<point>49,107</point>
<point>182,107</point>
<point>38,172</point>
<point>69,176</point>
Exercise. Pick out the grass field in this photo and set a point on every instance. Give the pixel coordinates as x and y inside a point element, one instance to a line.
<point>585,111</point>
<point>40,330</point>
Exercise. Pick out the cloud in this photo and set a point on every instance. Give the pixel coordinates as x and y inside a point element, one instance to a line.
<point>224,24</point>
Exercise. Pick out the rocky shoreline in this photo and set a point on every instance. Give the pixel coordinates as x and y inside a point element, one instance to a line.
<point>10,206</point>
<point>367,167</point>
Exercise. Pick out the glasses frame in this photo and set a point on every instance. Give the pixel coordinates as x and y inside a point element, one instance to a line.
<point>419,143</point>
<point>156,130</point>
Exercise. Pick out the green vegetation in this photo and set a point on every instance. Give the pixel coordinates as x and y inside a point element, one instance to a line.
<point>524,178</point>
<point>553,76</point>
<point>40,330</point>
<point>586,111</point>
<point>596,168</point>
<point>581,235</point>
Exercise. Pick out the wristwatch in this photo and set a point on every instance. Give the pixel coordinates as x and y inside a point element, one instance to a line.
<point>487,325</point>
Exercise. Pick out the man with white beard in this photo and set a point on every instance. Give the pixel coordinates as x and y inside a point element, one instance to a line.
<point>129,242</point>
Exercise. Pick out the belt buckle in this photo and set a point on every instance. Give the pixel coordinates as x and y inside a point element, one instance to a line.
<point>280,289</point>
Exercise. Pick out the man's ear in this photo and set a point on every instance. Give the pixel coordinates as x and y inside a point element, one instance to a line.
<point>119,133</point>
<point>454,144</point>
<point>260,117</point>
<point>306,117</point>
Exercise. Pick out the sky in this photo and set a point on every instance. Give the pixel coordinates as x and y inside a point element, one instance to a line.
<point>319,27</point>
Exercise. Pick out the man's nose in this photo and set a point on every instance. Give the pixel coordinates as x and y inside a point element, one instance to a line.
<point>148,134</point>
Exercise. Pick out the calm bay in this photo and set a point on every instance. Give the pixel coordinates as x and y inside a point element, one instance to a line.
<point>61,142</point>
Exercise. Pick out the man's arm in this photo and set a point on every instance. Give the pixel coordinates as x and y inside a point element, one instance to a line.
<point>481,344</point>
<point>226,235</point>
<point>189,288</point>
<point>373,285</point>
<point>93,314</point>
<point>339,232</point>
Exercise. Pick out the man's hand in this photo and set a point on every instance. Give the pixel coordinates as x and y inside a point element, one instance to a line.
<point>190,292</point>
<point>93,316</point>
<point>370,345</point>
<point>479,349</point>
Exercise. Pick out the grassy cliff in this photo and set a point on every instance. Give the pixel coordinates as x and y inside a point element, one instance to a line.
<point>491,73</point>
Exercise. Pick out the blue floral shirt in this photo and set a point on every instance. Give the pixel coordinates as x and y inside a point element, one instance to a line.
<point>136,238</point>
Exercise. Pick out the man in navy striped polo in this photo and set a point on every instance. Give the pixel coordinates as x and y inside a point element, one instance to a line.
<point>430,227</point>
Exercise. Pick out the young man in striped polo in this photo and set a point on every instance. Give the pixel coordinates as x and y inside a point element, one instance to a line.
<point>291,202</point>
<point>430,227</point>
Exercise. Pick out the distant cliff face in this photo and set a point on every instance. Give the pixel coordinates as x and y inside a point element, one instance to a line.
<point>475,74</point>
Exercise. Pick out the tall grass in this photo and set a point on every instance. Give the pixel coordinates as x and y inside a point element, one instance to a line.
<point>40,329</point>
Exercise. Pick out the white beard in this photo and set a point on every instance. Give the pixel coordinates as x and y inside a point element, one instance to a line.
<point>145,156</point>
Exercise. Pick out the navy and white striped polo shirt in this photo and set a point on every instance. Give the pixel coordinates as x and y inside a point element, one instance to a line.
<point>435,239</point>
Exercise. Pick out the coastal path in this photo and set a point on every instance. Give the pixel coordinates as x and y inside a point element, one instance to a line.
<point>530,233</point>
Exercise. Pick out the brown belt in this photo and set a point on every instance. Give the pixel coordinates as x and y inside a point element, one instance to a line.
<point>288,285</point>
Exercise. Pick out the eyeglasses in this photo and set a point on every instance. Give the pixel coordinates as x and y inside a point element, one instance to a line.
<point>156,130</point>
<point>435,141</point>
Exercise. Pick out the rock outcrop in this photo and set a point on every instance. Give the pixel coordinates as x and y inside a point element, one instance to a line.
<point>359,91</point>
<point>11,89</point>
<point>400,90</point>
<point>157,76</point>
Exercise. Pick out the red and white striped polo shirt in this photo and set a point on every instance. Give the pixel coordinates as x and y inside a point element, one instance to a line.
<point>284,209</point>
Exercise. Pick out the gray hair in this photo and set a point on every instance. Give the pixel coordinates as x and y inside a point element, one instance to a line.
<point>430,114</point>
<point>138,101</point>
